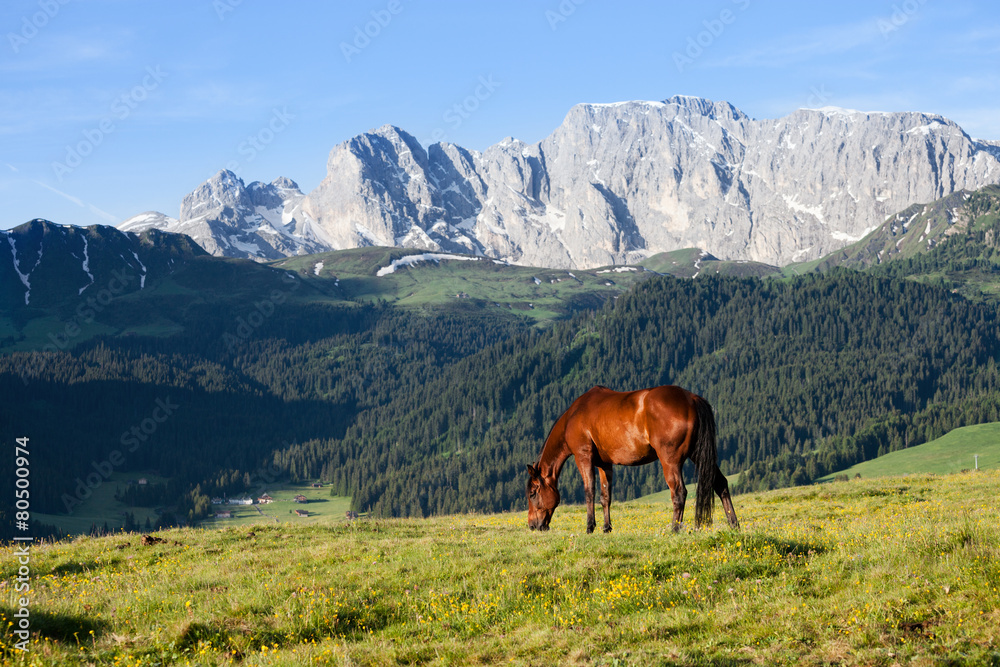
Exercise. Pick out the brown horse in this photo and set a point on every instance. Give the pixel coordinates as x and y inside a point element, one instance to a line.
<point>605,427</point>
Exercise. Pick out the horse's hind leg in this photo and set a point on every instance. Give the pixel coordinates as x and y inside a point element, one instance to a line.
<point>678,492</point>
<point>721,487</point>
<point>607,476</point>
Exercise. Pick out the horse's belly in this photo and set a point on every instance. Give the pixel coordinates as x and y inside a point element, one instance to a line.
<point>626,451</point>
<point>649,457</point>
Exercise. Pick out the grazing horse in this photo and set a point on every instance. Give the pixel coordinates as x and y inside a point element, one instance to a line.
<point>604,427</point>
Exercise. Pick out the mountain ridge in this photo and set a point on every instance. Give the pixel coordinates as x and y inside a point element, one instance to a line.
<point>613,184</point>
<point>47,261</point>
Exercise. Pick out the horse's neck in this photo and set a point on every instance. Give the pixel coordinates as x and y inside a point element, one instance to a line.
<point>555,452</point>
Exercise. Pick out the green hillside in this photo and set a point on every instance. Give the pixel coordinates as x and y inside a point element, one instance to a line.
<point>172,286</point>
<point>692,262</point>
<point>955,451</point>
<point>953,243</point>
<point>413,278</point>
<point>866,572</point>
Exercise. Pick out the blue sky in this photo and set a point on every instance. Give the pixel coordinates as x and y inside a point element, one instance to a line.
<point>112,107</point>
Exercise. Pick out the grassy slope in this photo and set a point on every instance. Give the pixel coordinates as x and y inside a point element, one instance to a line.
<point>875,572</point>
<point>952,452</point>
<point>539,293</point>
<point>689,262</point>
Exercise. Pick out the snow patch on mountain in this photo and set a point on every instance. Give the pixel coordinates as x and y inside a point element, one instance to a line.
<point>86,264</point>
<point>410,260</point>
<point>25,277</point>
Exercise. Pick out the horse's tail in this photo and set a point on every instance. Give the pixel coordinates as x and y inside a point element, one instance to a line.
<point>704,457</point>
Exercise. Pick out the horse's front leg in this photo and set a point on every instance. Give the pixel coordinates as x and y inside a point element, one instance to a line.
<point>587,472</point>
<point>607,476</point>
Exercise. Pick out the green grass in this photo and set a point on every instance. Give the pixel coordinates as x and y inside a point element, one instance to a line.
<point>692,490</point>
<point>866,572</point>
<point>952,452</point>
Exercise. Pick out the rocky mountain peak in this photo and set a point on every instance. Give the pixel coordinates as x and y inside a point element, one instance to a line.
<point>708,108</point>
<point>282,183</point>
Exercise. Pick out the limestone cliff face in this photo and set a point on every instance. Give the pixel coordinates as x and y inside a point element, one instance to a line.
<point>617,182</point>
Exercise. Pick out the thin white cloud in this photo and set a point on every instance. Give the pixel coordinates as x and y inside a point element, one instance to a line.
<point>75,200</point>
<point>989,34</point>
<point>79,202</point>
<point>801,47</point>
<point>57,52</point>
<point>976,83</point>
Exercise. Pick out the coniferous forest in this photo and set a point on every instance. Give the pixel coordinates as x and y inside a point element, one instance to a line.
<point>432,410</point>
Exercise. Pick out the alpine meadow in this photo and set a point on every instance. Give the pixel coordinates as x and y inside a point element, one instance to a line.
<point>541,333</point>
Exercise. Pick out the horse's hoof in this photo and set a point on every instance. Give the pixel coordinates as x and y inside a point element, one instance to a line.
<point>607,529</point>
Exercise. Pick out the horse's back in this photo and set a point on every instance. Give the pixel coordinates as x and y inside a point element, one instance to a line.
<point>661,400</point>
<point>627,427</point>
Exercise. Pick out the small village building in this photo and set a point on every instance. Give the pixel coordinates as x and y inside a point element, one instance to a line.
<point>241,501</point>
<point>301,512</point>
<point>265,499</point>
<point>224,514</point>
<point>217,501</point>
<point>301,499</point>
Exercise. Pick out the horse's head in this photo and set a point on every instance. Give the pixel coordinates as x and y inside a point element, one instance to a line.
<point>543,498</point>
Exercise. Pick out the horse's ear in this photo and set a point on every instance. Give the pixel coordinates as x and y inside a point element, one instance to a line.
<point>531,470</point>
